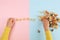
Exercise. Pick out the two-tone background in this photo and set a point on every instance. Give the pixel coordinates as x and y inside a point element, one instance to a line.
<point>27,30</point>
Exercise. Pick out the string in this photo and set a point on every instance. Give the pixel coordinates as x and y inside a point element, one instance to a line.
<point>25,19</point>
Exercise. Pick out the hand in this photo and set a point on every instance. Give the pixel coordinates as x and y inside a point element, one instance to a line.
<point>10,22</point>
<point>45,24</point>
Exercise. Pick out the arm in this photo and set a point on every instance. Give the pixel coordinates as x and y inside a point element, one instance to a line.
<point>9,26</point>
<point>46,28</point>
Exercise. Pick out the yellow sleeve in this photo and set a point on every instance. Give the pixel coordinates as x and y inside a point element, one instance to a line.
<point>48,35</point>
<point>6,33</point>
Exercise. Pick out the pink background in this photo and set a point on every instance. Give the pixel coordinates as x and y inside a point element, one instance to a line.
<point>15,9</point>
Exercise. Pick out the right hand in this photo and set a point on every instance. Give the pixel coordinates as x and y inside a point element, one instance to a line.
<point>45,24</point>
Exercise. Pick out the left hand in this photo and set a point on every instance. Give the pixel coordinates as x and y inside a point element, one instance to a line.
<point>10,22</point>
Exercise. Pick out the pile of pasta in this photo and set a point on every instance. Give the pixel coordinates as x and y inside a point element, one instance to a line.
<point>52,18</point>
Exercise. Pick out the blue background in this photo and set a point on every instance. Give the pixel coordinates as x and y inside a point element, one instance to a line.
<point>40,5</point>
